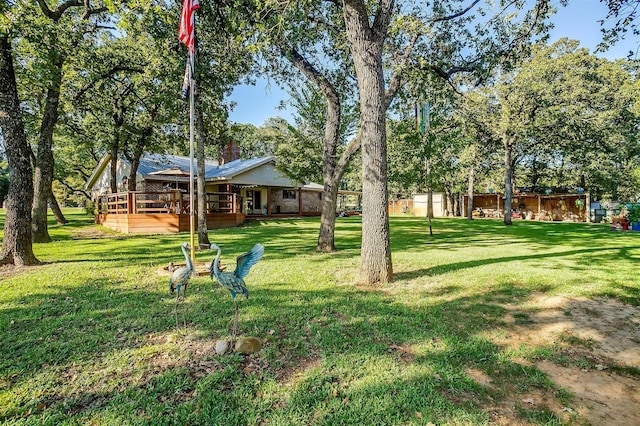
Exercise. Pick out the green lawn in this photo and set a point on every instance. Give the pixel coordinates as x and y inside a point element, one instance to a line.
<point>89,336</point>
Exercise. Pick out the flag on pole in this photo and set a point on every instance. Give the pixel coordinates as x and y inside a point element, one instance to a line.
<point>186,33</point>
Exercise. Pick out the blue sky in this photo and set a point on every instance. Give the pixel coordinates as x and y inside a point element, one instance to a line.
<point>579,20</point>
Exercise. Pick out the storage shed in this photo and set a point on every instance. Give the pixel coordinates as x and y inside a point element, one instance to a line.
<point>568,207</point>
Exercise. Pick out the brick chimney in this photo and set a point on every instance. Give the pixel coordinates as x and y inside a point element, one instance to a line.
<point>229,153</point>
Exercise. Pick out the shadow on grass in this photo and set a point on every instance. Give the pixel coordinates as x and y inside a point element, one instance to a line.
<point>375,359</point>
<point>378,361</point>
<point>442,269</point>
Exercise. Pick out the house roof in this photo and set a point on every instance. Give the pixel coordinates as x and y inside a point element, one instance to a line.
<point>312,186</point>
<point>97,172</point>
<point>158,166</point>
<point>154,164</point>
<point>161,166</point>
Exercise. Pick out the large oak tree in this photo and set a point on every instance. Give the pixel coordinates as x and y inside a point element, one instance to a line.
<point>47,36</point>
<point>16,243</point>
<point>448,40</point>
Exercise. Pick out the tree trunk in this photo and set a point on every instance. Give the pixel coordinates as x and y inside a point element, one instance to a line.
<point>17,248</point>
<point>118,121</point>
<point>326,235</point>
<point>535,174</point>
<point>113,169</point>
<point>472,172</point>
<point>134,162</point>
<point>331,181</point>
<point>455,201</point>
<point>445,201</point>
<point>366,48</point>
<point>43,176</point>
<point>508,177</point>
<point>55,208</point>
<point>136,151</point>
<point>332,170</point>
<point>330,175</point>
<point>203,237</point>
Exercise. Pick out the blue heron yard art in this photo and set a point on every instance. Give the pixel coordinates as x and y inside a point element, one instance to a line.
<point>234,281</point>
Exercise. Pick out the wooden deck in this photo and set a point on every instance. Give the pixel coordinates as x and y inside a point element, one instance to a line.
<point>164,223</point>
<point>163,212</point>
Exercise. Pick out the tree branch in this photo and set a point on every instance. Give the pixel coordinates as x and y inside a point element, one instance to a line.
<point>349,152</point>
<point>396,79</point>
<point>74,190</point>
<point>55,14</point>
<point>102,76</point>
<point>88,12</point>
<point>309,71</point>
<point>455,15</point>
<point>447,74</point>
<point>382,20</point>
<point>81,172</point>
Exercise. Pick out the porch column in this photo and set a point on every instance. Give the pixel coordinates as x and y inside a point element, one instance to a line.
<point>299,201</point>
<point>539,207</point>
<point>131,202</point>
<point>268,201</point>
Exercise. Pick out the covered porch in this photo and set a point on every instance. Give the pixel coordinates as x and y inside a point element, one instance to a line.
<point>271,201</point>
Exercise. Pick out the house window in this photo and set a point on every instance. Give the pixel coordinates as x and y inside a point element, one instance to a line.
<point>320,196</point>
<point>288,194</point>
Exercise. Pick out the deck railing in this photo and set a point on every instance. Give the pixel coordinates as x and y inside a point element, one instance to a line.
<point>165,202</point>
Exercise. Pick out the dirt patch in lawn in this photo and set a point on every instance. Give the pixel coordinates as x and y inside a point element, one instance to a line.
<point>10,271</point>
<point>596,354</point>
<point>95,232</point>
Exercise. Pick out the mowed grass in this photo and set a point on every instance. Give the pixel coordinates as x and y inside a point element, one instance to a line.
<point>89,336</point>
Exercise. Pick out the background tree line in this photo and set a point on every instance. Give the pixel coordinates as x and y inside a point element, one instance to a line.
<point>82,79</point>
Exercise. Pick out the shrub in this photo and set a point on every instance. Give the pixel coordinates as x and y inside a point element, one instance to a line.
<point>633,213</point>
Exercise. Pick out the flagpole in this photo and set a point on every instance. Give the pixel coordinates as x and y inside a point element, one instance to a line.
<point>191,168</point>
<point>187,35</point>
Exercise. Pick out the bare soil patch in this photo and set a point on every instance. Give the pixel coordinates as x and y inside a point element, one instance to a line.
<point>598,348</point>
<point>10,271</point>
<point>95,232</point>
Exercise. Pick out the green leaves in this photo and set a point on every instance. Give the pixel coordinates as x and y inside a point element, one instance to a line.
<point>570,113</point>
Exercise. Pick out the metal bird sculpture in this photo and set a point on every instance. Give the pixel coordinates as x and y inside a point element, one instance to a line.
<point>180,280</point>
<point>233,281</point>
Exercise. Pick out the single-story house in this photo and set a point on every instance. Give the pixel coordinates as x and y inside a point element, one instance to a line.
<point>234,191</point>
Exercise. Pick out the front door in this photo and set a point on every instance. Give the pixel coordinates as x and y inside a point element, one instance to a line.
<point>257,202</point>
